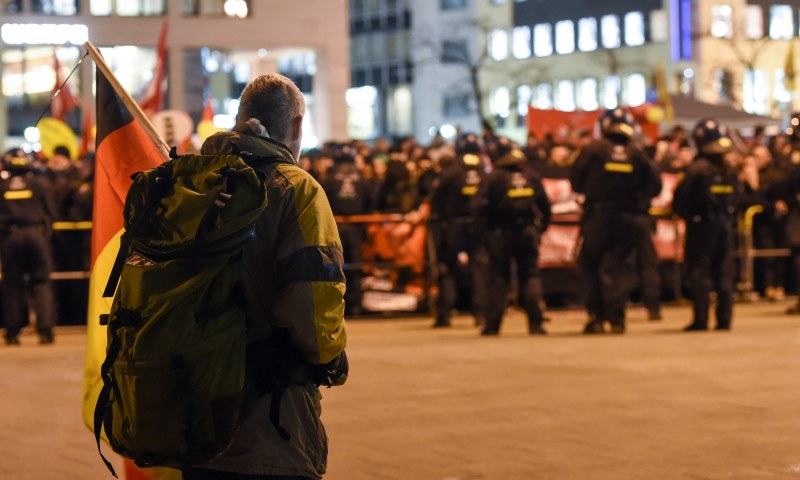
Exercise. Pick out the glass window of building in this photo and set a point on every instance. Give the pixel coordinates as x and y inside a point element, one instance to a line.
<point>781,22</point>
<point>721,21</point>
<point>133,66</point>
<point>498,2</point>
<point>521,42</point>
<point>587,94</point>
<point>755,91</point>
<point>543,96</point>
<point>635,89</point>
<point>454,51</point>
<point>659,26</point>
<point>565,95</point>
<point>128,8</point>
<point>611,92</point>
<point>609,31</point>
<point>500,102</point>
<point>29,74</point>
<point>498,44</point>
<point>565,37</point>
<point>12,6</point>
<point>753,21</point>
<point>524,97</point>
<point>457,104</point>
<point>587,34</point>
<point>55,7</point>
<point>782,94</point>
<point>453,4</point>
<point>543,40</point>
<point>634,29</point>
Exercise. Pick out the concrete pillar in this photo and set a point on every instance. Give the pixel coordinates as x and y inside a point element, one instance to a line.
<point>330,85</point>
<point>176,75</point>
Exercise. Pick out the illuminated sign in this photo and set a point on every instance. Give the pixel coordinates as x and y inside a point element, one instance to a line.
<point>43,34</point>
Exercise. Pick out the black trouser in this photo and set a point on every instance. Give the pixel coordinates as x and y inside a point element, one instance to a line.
<point>203,474</point>
<point>649,275</point>
<point>607,261</point>
<point>769,232</point>
<point>454,238</point>
<point>520,246</point>
<point>352,237</point>
<point>26,251</point>
<point>709,264</point>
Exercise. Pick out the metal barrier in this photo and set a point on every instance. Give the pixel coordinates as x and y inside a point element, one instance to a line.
<point>748,253</point>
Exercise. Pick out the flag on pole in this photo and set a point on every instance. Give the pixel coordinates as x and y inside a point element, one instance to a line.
<point>63,100</point>
<point>208,110</point>
<point>789,69</point>
<point>123,147</point>
<point>152,99</point>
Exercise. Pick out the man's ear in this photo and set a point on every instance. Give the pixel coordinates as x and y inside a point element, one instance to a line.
<point>297,127</point>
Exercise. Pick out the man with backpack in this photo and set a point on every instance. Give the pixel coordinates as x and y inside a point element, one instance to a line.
<point>293,288</point>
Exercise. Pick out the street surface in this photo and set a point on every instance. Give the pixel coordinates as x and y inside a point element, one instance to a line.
<point>425,404</point>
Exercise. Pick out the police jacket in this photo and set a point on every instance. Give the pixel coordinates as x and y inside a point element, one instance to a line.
<point>512,198</point>
<point>24,201</point>
<point>458,185</point>
<point>293,283</point>
<point>347,191</point>
<point>708,192</point>
<point>615,176</point>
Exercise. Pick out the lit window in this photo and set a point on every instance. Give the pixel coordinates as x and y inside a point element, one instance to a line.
<point>100,7</point>
<point>543,40</point>
<point>587,94</point>
<point>609,31</point>
<point>587,34</point>
<point>565,96</point>
<point>753,21</point>
<point>524,97</point>
<point>54,7</point>
<point>721,21</point>
<point>755,91</point>
<point>130,8</point>
<point>782,94</point>
<point>659,26</point>
<point>634,29</point>
<point>544,96</point>
<point>498,2</point>
<point>521,44</point>
<point>565,37</point>
<point>635,92</point>
<point>781,23</point>
<point>498,44</point>
<point>500,102</point>
<point>611,89</point>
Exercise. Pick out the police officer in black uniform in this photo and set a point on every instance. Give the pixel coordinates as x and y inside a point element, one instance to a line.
<point>451,225</point>
<point>618,180</point>
<point>706,198</point>
<point>26,211</point>
<point>512,212</point>
<point>349,194</point>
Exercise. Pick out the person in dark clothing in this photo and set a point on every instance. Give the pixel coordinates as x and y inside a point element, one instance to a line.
<point>349,194</point>
<point>26,213</point>
<point>618,180</point>
<point>451,225</point>
<point>512,211</point>
<point>706,198</point>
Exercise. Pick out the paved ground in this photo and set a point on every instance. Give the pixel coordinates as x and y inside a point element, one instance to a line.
<point>449,405</point>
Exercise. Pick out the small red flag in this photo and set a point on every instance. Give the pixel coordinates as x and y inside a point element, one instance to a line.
<point>152,99</point>
<point>63,100</point>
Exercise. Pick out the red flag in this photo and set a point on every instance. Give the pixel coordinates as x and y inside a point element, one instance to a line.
<point>63,100</point>
<point>208,111</point>
<point>152,99</point>
<point>87,133</point>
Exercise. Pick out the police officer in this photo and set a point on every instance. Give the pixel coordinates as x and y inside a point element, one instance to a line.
<point>452,229</point>
<point>512,212</point>
<point>618,180</point>
<point>349,194</point>
<point>706,199</point>
<point>25,217</point>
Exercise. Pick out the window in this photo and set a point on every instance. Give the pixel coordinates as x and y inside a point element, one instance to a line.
<point>587,94</point>
<point>129,8</point>
<point>635,92</point>
<point>609,31</point>
<point>453,4</point>
<point>498,44</point>
<point>500,102</point>
<point>755,91</point>
<point>634,29</point>
<point>565,95</point>
<point>753,22</point>
<point>721,21</point>
<point>55,7</point>
<point>12,6</point>
<point>544,96</point>
<point>521,42</point>
<point>498,2</point>
<point>587,34</point>
<point>454,51</point>
<point>781,23</point>
<point>659,26</point>
<point>524,97</point>
<point>457,104</point>
<point>611,90</point>
<point>565,37</point>
<point>543,40</point>
<point>782,94</point>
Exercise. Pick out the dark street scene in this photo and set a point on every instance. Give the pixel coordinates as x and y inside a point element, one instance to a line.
<point>399,239</point>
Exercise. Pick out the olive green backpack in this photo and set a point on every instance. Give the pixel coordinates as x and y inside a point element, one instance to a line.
<point>174,373</point>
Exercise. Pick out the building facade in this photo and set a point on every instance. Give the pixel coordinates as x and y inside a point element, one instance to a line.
<point>214,47</point>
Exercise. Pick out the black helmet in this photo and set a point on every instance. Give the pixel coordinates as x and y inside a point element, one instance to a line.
<point>617,121</point>
<point>503,151</point>
<point>711,137</point>
<point>468,143</point>
<point>16,159</point>
<point>793,129</point>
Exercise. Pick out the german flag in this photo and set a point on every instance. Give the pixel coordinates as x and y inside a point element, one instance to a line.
<point>122,149</point>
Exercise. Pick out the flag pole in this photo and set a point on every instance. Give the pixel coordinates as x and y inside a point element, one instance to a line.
<point>133,107</point>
